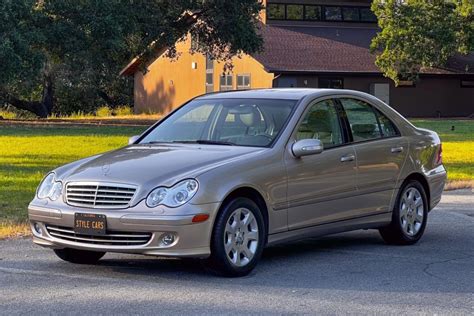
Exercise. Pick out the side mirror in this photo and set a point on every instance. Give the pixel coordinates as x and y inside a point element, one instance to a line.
<point>306,147</point>
<point>133,139</point>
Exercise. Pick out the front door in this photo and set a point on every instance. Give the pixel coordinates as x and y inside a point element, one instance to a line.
<point>380,151</point>
<point>320,186</point>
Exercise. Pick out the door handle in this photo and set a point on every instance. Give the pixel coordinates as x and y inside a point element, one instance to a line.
<point>347,158</point>
<point>396,150</point>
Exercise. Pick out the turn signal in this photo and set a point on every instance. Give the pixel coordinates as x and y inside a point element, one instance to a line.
<point>200,218</point>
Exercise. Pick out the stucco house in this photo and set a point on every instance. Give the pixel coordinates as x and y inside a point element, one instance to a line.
<point>307,43</point>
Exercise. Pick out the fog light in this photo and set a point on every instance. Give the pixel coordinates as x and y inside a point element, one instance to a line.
<point>38,229</point>
<point>167,239</point>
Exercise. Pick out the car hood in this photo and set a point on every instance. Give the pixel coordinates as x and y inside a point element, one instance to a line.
<point>158,164</point>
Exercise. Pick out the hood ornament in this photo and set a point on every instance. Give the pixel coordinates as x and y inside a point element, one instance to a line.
<point>106,169</point>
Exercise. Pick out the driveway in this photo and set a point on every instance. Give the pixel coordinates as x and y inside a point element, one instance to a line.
<point>346,273</point>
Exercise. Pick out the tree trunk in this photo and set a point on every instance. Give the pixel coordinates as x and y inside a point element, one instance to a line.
<point>35,107</point>
<point>48,100</point>
<point>41,108</point>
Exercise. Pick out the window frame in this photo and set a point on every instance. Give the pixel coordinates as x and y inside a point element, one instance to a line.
<point>226,86</point>
<point>276,19</point>
<point>331,78</point>
<point>320,18</point>
<point>209,71</point>
<point>337,106</point>
<point>243,87</point>
<point>322,15</point>
<point>294,4</point>
<point>374,109</point>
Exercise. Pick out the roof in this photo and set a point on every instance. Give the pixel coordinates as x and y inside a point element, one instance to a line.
<point>335,49</point>
<point>322,49</point>
<point>277,93</point>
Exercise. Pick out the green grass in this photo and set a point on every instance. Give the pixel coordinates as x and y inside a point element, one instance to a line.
<point>458,146</point>
<point>27,153</point>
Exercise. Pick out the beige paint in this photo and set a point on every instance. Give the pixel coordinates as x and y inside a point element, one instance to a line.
<point>169,83</point>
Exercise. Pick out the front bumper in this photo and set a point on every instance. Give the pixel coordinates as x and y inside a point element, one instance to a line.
<point>192,239</point>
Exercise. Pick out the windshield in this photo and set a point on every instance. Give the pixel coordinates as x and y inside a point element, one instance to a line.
<point>243,122</point>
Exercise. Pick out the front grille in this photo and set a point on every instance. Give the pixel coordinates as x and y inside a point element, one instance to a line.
<point>99,195</point>
<point>110,239</point>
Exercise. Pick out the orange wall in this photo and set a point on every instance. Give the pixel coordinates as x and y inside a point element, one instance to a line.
<point>169,83</point>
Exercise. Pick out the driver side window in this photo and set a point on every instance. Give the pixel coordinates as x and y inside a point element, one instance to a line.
<point>321,122</point>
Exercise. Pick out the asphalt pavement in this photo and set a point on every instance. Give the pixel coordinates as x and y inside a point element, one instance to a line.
<point>350,273</point>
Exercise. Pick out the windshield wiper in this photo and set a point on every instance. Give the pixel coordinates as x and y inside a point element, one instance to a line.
<point>205,142</point>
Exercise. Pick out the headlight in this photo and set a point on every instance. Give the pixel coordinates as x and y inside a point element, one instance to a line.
<point>50,188</point>
<point>175,196</point>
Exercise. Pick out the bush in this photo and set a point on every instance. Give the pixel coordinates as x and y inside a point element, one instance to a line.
<point>11,113</point>
<point>103,111</point>
<point>123,110</point>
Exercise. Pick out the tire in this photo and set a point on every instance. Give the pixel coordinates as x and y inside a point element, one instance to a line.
<point>409,216</point>
<point>79,256</point>
<point>236,246</point>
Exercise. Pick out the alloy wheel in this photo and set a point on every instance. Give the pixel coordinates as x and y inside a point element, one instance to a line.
<point>241,237</point>
<point>411,211</point>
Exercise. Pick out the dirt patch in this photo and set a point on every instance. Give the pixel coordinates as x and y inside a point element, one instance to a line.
<point>459,184</point>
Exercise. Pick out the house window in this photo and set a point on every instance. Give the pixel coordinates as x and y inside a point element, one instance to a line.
<point>276,11</point>
<point>332,14</point>
<point>243,82</point>
<point>312,13</point>
<point>366,15</point>
<point>209,75</point>
<point>308,12</point>
<point>331,83</point>
<point>350,14</point>
<point>294,12</point>
<point>467,83</point>
<point>226,82</point>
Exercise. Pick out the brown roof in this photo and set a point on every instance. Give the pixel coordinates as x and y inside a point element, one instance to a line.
<point>330,49</point>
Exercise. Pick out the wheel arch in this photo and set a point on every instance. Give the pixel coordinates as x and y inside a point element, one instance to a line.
<point>422,180</point>
<point>252,194</point>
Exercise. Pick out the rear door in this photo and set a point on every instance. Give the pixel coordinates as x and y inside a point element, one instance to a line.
<point>380,152</point>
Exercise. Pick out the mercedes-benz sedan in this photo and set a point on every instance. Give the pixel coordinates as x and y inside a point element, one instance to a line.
<point>227,174</point>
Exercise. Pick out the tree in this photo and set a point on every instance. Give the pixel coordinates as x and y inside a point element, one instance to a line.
<point>66,55</point>
<point>417,34</point>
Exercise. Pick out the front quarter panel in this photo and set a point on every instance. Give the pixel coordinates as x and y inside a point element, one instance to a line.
<point>264,173</point>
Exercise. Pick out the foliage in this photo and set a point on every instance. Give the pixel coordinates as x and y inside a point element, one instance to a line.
<point>123,110</point>
<point>417,33</point>
<point>66,55</point>
<point>103,111</point>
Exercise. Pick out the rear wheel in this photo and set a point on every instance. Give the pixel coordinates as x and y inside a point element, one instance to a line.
<point>238,238</point>
<point>409,216</point>
<point>79,256</point>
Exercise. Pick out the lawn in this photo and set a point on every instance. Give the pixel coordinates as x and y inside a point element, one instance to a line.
<point>28,152</point>
<point>458,146</point>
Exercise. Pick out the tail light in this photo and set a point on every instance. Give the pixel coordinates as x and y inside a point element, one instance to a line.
<point>439,157</point>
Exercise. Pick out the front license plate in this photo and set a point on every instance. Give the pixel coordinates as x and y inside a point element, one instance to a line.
<point>90,224</point>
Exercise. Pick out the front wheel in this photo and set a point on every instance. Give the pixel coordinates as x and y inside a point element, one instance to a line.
<point>238,238</point>
<point>409,216</point>
<point>79,256</point>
